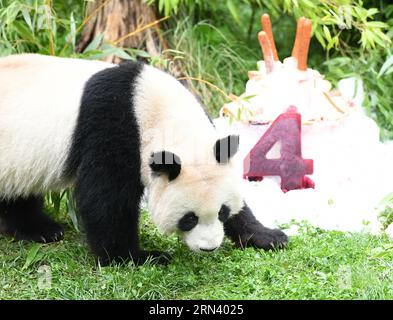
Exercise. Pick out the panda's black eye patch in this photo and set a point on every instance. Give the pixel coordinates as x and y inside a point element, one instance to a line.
<point>188,221</point>
<point>223,214</point>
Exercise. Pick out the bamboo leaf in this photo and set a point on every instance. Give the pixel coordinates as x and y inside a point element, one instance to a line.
<point>327,33</point>
<point>320,38</point>
<point>26,17</point>
<point>118,52</point>
<point>377,24</point>
<point>72,30</point>
<point>71,210</point>
<point>233,10</point>
<point>32,255</point>
<point>139,53</point>
<point>95,43</point>
<point>372,11</point>
<point>25,33</point>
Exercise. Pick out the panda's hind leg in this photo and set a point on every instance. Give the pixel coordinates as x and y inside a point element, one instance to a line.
<point>24,219</point>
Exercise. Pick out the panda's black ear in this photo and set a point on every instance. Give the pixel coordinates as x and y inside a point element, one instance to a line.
<point>226,148</point>
<point>165,162</point>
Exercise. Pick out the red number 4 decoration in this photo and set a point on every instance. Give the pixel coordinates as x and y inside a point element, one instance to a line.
<point>291,167</point>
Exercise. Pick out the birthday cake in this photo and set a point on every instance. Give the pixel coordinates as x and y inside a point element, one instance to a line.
<point>351,171</point>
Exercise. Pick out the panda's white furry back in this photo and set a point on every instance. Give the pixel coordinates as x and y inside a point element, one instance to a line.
<point>111,131</point>
<point>39,105</point>
<point>40,98</point>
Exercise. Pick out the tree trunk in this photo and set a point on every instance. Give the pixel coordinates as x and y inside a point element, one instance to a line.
<point>117,18</point>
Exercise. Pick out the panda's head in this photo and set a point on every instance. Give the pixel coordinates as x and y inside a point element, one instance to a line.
<point>195,199</point>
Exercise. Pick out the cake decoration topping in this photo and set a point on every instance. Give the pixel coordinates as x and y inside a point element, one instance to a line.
<point>277,85</point>
<point>267,27</point>
<point>267,51</point>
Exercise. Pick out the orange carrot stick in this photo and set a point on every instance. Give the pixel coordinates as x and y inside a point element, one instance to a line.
<point>267,27</point>
<point>266,50</point>
<point>299,28</point>
<point>304,45</point>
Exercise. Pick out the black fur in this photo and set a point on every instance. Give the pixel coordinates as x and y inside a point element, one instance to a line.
<point>24,219</point>
<point>246,231</point>
<point>224,212</point>
<point>165,162</point>
<point>188,222</point>
<point>105,160</point>
<point>226,148</point>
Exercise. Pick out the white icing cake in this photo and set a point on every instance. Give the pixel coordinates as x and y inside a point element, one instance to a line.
<point>352,168</point>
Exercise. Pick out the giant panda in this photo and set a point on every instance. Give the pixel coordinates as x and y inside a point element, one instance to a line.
<point>113,132</point>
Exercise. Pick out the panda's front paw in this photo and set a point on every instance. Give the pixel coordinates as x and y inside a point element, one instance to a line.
<point>52,232</point>
<point>246,231</point>
<point>255,234</point>
<point>43,232</point>
<point>266,238</point>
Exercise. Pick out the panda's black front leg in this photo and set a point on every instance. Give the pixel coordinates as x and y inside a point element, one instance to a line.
<point>108,202</point>
<point>246,231</point>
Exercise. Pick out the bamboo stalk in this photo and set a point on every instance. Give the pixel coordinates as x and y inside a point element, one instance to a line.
<point>208,83</point>
<point>332,103</point>
<point>48,16</point>
<point>140,29</point>
<point>267,27</point>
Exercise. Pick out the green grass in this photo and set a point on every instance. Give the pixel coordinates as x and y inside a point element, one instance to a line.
<point>316,265</point>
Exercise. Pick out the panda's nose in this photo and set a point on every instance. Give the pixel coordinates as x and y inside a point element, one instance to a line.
<point>207,250</point>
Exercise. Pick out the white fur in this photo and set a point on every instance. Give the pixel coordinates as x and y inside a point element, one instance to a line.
<point>171,119</point>
<point>205,236</point>
<point>39,104</point>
